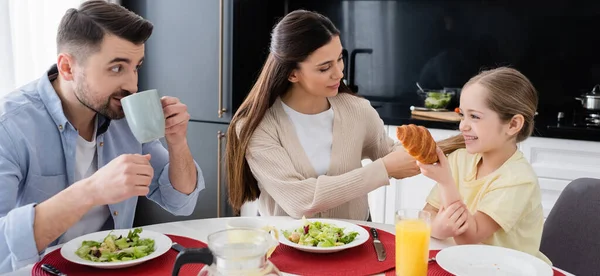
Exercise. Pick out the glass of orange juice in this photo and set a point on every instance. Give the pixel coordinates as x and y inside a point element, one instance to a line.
<point>413,230</point>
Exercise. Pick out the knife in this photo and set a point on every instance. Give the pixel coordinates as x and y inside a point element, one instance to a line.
<point>177,247</point>
<point>52,270</point>
<point>379,249</point>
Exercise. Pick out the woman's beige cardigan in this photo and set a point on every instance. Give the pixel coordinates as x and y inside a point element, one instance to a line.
<point>287,180</point>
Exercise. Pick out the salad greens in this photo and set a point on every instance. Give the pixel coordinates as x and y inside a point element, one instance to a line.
<point>116,249</point>
<point>319,234</point>
<point>437,99</point>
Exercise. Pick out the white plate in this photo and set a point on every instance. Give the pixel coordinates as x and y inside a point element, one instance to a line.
<point>362,237</point>
<point>466,260</point>
<point>162,244</point>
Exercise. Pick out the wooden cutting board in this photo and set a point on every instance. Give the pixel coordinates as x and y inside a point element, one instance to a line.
<point>439,115</point>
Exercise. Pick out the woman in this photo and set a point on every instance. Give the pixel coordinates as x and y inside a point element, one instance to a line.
<point>297,141</point>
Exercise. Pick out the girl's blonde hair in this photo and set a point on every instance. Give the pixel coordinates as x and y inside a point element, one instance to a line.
<point>510,93</point>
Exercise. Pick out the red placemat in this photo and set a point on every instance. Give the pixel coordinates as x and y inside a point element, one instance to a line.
<point>162,265</point>
<point>360,260</point>
<point>435,270</point>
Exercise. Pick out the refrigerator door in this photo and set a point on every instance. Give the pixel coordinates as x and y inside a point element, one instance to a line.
<point>207,144</point>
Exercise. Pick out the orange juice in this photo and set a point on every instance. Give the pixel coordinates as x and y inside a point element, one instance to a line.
<point>412,247</point>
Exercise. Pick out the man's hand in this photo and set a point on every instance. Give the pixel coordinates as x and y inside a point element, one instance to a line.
<point>124,177</point>
<point>182,171</point>
<point>177,118</point>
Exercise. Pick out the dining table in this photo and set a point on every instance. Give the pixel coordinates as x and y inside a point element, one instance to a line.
<point>199,229</point>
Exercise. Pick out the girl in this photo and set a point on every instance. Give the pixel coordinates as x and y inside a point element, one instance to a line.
<point>297,141</point>
<point>486,190</point>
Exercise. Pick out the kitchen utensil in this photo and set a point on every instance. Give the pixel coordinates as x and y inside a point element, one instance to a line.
<point>594,121</point>
<point>52,270</point>
<point>479,259</point>
<point>420,88</point>
<point>448,116</point>
<point>362,237</point>
<point>162,244</point>
<point>379,248</point>
<point>226,257</point>
<point>145,116</point>
<point>177,247</point>
<point>251,223</point>
<point>413,233</point>
<point>436,99</point>
<point>591,100</point>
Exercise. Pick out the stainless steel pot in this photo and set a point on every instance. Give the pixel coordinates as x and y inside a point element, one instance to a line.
<point>591,101</point>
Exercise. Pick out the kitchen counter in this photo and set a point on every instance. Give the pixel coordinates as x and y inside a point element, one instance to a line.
<point>399,114</point>
<point>546,125</point>
<point>550,128</point>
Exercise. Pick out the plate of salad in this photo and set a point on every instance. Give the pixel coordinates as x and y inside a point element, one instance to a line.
<point>116,248</point>
<point>322,235</point>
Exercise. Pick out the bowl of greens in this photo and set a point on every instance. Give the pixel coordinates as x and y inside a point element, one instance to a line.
<point>436,99</point>
<point>322,235</point>
<point>116,248</point>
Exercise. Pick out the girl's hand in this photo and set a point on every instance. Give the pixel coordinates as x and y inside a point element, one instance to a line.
<point>451,221</point>
<point>440,171</point>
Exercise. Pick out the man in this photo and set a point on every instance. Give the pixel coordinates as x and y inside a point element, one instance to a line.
<point>69,164</point>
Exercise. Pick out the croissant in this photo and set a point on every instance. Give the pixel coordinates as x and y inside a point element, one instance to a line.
<point>418,143</point>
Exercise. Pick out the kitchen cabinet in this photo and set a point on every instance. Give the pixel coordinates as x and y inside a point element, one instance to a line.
<point>557,162</point>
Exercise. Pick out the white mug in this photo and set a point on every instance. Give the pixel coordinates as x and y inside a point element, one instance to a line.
<point>144,114</point>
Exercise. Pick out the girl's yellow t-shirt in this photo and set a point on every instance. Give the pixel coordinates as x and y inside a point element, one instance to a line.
<point>510,196</point>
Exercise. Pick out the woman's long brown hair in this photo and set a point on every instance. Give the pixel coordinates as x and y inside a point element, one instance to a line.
<point>510,93</point>
<point>293,39</point>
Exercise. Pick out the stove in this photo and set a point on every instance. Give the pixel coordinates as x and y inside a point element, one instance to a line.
<point>572,123</point>
<point>592,120</point>
<point>586,119</point>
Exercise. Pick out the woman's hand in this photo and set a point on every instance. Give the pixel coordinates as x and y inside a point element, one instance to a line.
<point>399,164</point>
<point>450,222</point>
<point>440,171</point>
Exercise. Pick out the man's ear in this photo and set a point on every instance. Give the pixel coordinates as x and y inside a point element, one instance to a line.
<point>294,76</point>
<point>515,125</point>
<point>65,65</point>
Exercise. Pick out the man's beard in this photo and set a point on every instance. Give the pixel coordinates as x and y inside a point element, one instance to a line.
<point>83,93</point>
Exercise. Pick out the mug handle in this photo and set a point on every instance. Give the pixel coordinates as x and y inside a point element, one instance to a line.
<point>190,256</point>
